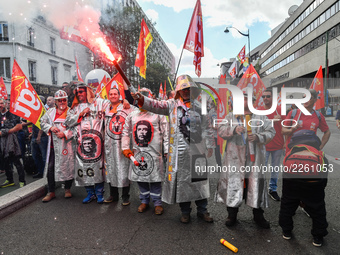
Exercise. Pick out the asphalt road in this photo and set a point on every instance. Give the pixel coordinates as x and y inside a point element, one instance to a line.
<point>68,227</point>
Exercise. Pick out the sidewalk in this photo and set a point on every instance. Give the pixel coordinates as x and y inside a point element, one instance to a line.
<point>21,197</point>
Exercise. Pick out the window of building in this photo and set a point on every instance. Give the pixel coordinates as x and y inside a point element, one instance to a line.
<point>32,70</point>
<point>67,72</point>
<point>30,36</point>
<point>3,32</point>
<point>54,75</point>
<point>52,43</point>
<point>322,18</point>
<point>5,69</point>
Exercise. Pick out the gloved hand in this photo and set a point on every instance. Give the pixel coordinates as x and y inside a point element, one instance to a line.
<point>127,153</point>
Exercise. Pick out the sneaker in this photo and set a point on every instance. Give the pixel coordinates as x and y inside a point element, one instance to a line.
<point>317,241</point>
<point>68,193</point>
<point>22,184</point>
<point>6,184</point>
<point>287,235</point>
<point>125,202</point>
<point>274,195</point>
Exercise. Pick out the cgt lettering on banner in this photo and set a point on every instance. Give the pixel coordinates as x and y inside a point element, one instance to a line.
<point>28,99</point>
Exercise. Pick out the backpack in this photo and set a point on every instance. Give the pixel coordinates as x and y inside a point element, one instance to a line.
<point>304,162</point>
<point>305,136</point>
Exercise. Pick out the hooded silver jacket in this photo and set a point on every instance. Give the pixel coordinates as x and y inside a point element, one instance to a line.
<point>181,183</point>
<point>230,187</point>
<point>116,164</point>
<point>64,149</point>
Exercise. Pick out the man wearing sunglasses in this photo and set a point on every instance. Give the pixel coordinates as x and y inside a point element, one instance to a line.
<point>87,118</point>
<point>275,147</point>
<point>309,122</point>
<point>60,156</point>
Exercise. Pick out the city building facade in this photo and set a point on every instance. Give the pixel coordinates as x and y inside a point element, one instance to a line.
<point>45,58</point>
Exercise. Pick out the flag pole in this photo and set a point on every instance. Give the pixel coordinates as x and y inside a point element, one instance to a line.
<point>179,61</point>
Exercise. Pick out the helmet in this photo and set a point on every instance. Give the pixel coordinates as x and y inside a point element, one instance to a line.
<point>146,92</point>
<point>60,94</point>
<point>184,82</point>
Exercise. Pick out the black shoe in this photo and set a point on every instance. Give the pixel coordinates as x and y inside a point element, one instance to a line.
<point>274,195</point>
<point>259,218</point>
<point>185,218</point>
<point>231,221</point>
<point>206,217</point>
<point>317,241</point>
<point>287,235</point>
<point>38,175</point>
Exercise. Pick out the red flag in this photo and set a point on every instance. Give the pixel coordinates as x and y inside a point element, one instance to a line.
<point>161,92</point>
<point>138,87</point>
<point>233,69</point>
<point>251,78</point>
<point>145,38</point>
<point>242,55</point>
<point>100,91</point>
<point>116,82</point>
<point>164,97</point>
<point>3,90</point>
<point>317,84</point>
<point>25,102</point>
<point>73,34</point>
<point>222,79</point>
<point>194,39</point>
<point>78,71</point>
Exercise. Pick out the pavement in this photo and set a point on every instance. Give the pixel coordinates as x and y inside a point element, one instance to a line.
<point>272,241</point>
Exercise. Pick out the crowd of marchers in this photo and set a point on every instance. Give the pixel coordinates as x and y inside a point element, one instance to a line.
<point>87,140</point>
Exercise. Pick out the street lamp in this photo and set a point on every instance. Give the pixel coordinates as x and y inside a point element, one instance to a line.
<point>248,35</point>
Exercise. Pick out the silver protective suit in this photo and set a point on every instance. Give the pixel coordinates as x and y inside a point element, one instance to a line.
<point>149,135</point>
<point>116,164</point>
<point>89,142</point>
<point>181,184</point>
<point>64,149</point>
<point>230,188</point>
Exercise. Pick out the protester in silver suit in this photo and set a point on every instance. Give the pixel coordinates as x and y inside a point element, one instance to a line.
<point>87,118</point>
<point>234,185</point>
<point>116,165</point>
<point>181,184</point>
<point>150,134</point>
<point>61,147</point>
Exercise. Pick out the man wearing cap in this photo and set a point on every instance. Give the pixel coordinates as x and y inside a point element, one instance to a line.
<point>60,155</point>
<point>310,122</point>
<point>87,118</point>
<point>182,184</point>
<point>149,138</point>
<point>246,154</point>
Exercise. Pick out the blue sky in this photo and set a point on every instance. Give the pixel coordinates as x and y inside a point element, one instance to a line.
<point>173,18</point>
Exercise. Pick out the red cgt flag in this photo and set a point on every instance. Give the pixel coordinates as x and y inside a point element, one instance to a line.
<point>25,102</point>
<point>78,71</point>
<point>194,39</point>
<point>145,38</point>
<point>3,90</point>
<point>251,78</point>
<point>242,55</point>
<point>317,84</point>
